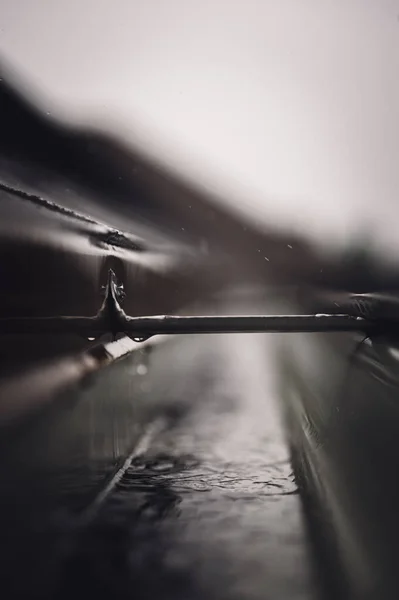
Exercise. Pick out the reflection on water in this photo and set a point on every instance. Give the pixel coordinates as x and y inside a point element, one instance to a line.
<point>210,509</point>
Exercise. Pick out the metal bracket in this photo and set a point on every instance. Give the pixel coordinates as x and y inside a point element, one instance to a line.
<point>111,318</point>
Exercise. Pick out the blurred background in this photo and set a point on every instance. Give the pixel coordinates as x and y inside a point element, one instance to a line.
<point>287,111</point>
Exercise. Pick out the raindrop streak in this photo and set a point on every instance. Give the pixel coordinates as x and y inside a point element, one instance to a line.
<point>268,260</point>
<point>289,246</point>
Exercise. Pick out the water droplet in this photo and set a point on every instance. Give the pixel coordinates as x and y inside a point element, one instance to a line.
<point>266,259</point>
<point>289,246</point>
<point>141,370</point>
<point>182,228</point>
<point>139,339</point>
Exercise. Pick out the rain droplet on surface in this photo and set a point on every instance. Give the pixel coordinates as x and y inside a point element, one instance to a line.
<point>141,338</point>
<point>141,370</point>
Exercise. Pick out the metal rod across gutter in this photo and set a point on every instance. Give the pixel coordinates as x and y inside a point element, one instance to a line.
<point>112,319</point>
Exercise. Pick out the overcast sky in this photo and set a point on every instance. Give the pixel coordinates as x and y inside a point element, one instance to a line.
<point>290,107</point>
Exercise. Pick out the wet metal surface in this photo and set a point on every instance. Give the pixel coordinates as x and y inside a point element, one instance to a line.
<point>208,507</point>
<point>341,397</point>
